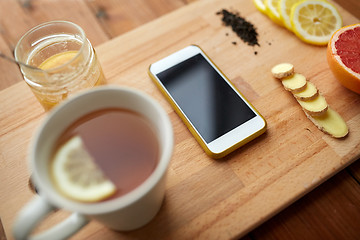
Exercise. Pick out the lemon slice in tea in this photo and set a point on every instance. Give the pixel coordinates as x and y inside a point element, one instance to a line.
<point>77,176</point>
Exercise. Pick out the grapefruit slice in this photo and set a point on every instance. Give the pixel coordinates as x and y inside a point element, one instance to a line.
<point>343,56</point>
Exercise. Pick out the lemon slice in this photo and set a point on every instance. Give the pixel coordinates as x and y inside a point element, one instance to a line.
<point>58,60</point>
<point>77,176</point>
<point>314,21</point>
<point>260,5</point>
<point>272,11</point>
<point>284,9</point>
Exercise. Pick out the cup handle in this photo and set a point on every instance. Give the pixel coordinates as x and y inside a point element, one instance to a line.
<point>37,210</point>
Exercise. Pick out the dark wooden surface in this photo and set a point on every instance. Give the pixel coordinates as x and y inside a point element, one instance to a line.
<point>331,211</point>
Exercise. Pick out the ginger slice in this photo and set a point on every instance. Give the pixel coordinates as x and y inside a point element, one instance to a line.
<point>309,93</point>
<point>312,102</point>
<point>315,107</point>
<point>331,123</point>
<point>282,70</point>
<point>294,83</point>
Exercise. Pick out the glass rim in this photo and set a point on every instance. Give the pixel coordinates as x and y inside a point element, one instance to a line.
<point>54,69</point>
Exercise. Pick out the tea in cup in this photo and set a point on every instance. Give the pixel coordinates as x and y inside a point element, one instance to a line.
<point>102,155</point>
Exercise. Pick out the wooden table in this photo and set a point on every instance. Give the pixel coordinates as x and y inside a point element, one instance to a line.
<point>205,198</point>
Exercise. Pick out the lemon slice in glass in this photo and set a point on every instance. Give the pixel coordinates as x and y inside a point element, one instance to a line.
<point>260,5</point>
<point>58,60</point>
<point>272,11</point>
<point>284,9</point>
<point>77,176</point>
<point>314,21</point>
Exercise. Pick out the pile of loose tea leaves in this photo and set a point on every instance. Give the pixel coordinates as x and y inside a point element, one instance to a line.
<point>244,29</point>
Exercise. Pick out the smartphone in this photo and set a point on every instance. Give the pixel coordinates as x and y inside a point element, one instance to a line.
<point>215,112</point>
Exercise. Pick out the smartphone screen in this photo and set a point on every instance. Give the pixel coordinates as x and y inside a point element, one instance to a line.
<point>210,103</point>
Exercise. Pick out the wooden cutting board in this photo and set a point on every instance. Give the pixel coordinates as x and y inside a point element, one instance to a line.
<point>206,198</point>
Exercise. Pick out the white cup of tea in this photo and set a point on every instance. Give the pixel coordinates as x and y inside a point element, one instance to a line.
<point>125,212</point>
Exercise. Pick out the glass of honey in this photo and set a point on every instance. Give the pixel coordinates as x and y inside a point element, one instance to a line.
<point>65,61</point>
